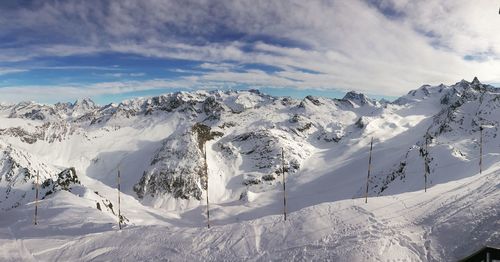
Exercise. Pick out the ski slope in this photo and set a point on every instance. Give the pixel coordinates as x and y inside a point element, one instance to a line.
<point>414,226</point>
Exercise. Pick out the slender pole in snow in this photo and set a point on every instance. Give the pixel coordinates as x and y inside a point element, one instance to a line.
<point>119,203</point>
<point>369,169</point>
<point>36,196</point>
<point>481,150</point>
<point>206,172</point>
<point>284,181</point>
<point>426,165</point>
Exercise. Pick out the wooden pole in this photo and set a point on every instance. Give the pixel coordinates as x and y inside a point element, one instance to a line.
<point>119,203</point>
<point>36,196</point>
<point>206,172</point>
<point>284,181</point>
<point>481,150</point>
<point>369,169</point>
<point>426,165</point>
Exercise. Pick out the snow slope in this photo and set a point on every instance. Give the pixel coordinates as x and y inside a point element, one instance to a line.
<point>433,226</point>
<point>157,144</point>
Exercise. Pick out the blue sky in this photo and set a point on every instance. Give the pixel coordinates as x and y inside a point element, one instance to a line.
<point>113,50</point>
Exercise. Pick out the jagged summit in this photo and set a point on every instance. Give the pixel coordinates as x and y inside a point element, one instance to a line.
<point>444,92</point>
<point>84,104</point>
<point>475,81</point>
<point>358,98</point>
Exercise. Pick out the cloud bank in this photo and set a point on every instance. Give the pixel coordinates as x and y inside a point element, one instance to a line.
<point>383,47</point>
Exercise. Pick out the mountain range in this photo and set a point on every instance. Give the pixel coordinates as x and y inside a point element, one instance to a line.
<point>432,194</point>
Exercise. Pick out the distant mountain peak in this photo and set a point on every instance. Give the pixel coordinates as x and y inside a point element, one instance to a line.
<point>84,102</point>
<point>475,81</point>
<point>358,98</point>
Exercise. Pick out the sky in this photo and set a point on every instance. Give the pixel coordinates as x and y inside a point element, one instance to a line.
<point>56,50</point>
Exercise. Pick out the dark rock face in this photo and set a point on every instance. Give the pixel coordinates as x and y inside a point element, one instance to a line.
<point>360,123</point>
<point>65,181</point>
<point>19,173</point>
<point>31,111</point>
<point>50,132</point>
<point>181,184</point>
<point>10,167</point>
<point>178,167</point>
<point>457,99</point>
<point>314,100</point>
<point>212,108</point>
<point>204,134</point>
<point>262,150</point>
<point>22,134</point>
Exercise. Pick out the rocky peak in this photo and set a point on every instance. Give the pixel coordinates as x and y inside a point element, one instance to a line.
<point>358,98</point>
<point>82,107</point>
<point>475,81</point>
<point>177,168</point>
<point>63,106</point>
<point>84,103</point>
<point>462,85</point>
<point>421,92</point>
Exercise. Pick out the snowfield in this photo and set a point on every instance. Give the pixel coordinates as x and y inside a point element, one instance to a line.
<point>157,144</point>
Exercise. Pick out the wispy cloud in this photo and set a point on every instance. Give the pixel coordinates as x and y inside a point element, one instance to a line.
<point>119,75</point>
<point>5,71</point>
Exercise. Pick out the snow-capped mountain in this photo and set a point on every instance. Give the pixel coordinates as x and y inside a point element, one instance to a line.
<point>159,145</point>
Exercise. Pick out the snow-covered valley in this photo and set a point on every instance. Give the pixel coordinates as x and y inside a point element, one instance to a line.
<point>158,145</point>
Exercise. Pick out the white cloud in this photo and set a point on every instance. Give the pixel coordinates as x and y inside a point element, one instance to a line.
<point>465,27</point>
<point>120,75</point>
<point>351,44</point>
<point>5,71</point>
<point>219,66</point>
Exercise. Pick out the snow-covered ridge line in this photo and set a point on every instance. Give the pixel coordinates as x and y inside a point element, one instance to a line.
<point>83,109</point>
<point>77,110</point>
<point>251,134</point>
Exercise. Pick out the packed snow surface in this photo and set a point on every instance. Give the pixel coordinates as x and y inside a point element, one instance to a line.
<point>159,144</point>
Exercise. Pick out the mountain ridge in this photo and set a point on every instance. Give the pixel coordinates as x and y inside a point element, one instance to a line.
<point>158,144</point>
